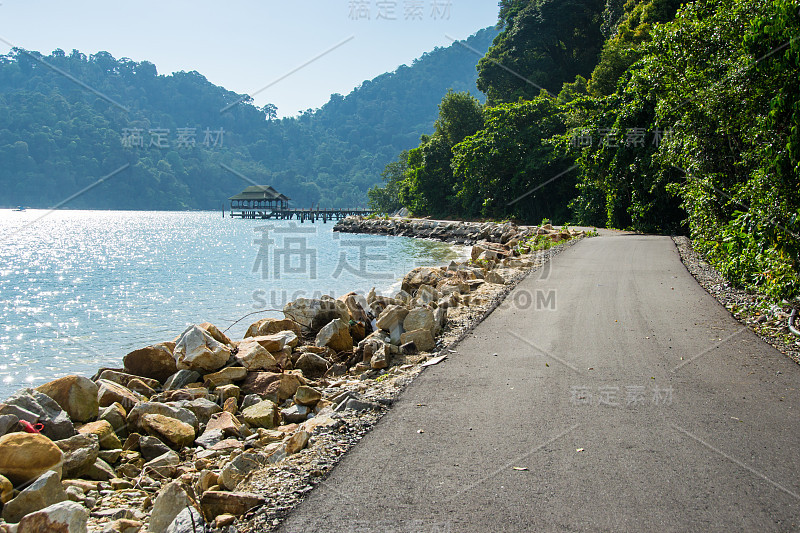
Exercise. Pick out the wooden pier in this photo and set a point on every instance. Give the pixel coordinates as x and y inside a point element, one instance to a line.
<point>312,215</point>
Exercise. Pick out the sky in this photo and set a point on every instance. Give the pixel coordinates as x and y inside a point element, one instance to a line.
<point>293,54</point>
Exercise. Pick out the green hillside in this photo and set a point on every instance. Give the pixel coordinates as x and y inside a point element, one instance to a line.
<point>179,142</point>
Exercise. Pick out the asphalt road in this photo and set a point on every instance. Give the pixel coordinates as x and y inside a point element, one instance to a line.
<point>628,399</point>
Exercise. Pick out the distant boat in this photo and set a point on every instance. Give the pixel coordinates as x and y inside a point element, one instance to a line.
<point>19,208</point>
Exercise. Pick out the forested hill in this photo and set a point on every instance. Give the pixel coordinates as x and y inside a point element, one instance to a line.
<point>180,142</point>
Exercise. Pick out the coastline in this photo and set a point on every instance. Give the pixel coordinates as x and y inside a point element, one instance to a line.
<point>236,419</point>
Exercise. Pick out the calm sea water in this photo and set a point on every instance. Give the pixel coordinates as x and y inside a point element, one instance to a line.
<point>80,289</point>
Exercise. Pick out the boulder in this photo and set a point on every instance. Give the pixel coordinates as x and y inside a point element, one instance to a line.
<point>215,503</point>
<point>263,414</point>
<point>199,351</point>
<point>80,453</point>
<point>239,467</point>
<point>202,408</point>
<point>8,423</point>
<point>426,295</point>
<point>215,333</point>
<point>168,504</point>
<point>380,358</point>
<point>76,395</point>
<point>422,338</point>
<point>151,447</point>
<point>154,362</point>
<point>124,379</point>
<point>419,318</point>
<point>305,395</point>
<point>312,365</point>
<point>295,414</point>
<point>169,430</point>
<point>180,379</point>
<point>137,385</point>
<point>313,314</point>
<point>110,392</point>
<point>253,356</point>
<point>100,471</point>
<point>228,392</point>
<point>439,319</point>
<point>105,433</point>
<point>209,438</point>
<point>277,341</point>
<point>62,517</point>
<point>115,415</point>
<point>163,466</point>
<point>6,490</point>
<point>225,422</point>
<point>268,326</point>
<point>263,383</point>
<point>35,407</point>
<point>189,520</point>
<point>297,441</point>
<point>26,456</point>
<point>156,408</point>
<point>356,307</point>
<point>226,376</point>
<point>493,276</point>
<point>391,320</point>
<point>335,335</point>
<point>43,492</point>
<point>422,276</point>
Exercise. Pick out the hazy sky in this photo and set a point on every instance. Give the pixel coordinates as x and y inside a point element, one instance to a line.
<point>246,46</point>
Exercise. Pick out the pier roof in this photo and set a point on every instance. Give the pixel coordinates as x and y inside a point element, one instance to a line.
<point>260,192</point>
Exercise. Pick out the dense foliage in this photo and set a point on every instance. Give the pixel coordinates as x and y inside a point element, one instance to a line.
<point>685,118</point>
<point>65,121</point>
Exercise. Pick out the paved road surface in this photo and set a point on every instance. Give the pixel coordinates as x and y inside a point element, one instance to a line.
<point>704,436</point>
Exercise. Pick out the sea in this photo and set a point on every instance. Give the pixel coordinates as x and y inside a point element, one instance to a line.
<point>80,289</point>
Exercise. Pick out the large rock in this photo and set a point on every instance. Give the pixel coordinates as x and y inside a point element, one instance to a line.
<point>202,408</point>
<point>115,415</point>
<point>239,467</point>
<point>35,407</point>
<point>163,466</point>
<point>226,376</point>
<point>62,517</point>
<point>422,276</point>
<point>276,342</point>
<point>110,392</point>
<point>423,338</point>
<point>312,365</point>
<point>335,335</point>
<point>100,471</point>
<point>169,430</point>
<point>155,362</point>
<point>313,314</point>
<point>215,333</point>
<point>215,503</point>
<point>180,379</point>
<point>189,520</point>
<point>105,433</point>
<point>297,441</point>
<point>80,453</point>
<point>155,408</point>
<point>76,395</point>
<point>391,320</point>
<point>151,447</point>
<point>125,379</point>
<point>264,383</point>
<point>8,423</point>
<point>263,415</point>
<point>26,456</point>
<point>268,326</point>
<point>45,491</point>
<point>253,356</point>
<point>6,490</point>
<point>225,422</point>
<point>419,318</point>
<point>198,350</point>
<point>168,504</point>
<point>306,395</point>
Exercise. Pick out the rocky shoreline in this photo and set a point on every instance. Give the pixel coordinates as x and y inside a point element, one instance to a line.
<point>207,433</point>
